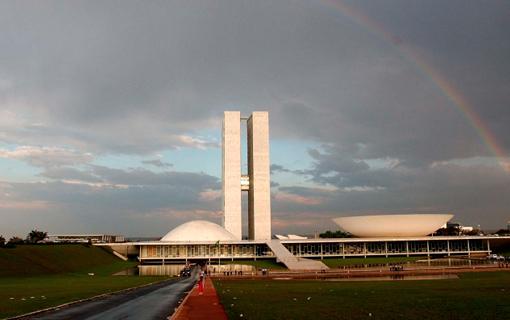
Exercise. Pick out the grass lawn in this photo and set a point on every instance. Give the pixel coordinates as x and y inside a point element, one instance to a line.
<point>332,263</point>
<point>337,262</point>
<point>35,260</point>
<point>259,264</point>
<point>473,296</point>
<point>38,277</point>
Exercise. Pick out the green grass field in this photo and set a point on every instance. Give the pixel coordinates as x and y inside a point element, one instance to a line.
<point>331,263</point>
<point>42,276</point>
<point>473,296</point>
<point>35,260</point>
<point>259,264</point>
<point>338,262</point>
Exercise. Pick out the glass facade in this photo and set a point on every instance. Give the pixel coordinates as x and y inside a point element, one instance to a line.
<point>418,246</point>
<point>316,249</point>
<point>205,251</point>
<point>438,246</point>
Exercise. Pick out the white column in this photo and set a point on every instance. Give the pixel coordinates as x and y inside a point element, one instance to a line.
<point>231,173</point>
<point>259,195</point>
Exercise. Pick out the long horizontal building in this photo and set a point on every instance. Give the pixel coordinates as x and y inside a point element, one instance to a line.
<point>85,237</point>
<point>168,252</point>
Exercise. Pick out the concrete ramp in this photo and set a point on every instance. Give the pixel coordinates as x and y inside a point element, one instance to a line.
<point>290,260</point>
<point>120,255</point>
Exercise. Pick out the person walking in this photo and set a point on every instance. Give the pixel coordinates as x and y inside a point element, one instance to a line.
<point>201,284</point>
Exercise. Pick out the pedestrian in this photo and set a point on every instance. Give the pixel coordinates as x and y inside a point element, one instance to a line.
<point>201,284</point>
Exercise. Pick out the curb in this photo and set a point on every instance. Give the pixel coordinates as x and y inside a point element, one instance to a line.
<point>178,311</point>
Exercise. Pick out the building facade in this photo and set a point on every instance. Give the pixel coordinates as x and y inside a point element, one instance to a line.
<point>158,252</point>
<point>105,238</point>
<point>256,182</point>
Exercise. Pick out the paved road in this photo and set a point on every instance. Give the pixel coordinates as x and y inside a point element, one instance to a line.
<point>153,302</point>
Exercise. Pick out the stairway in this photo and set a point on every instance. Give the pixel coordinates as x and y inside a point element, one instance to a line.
<point>290,260</point>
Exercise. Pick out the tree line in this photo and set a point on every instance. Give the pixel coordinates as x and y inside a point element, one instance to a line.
<point>33,236</point>
<point>336,234</point>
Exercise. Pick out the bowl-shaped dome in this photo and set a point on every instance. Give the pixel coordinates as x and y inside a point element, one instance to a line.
<point>395,225</point>
<point>199,230</point>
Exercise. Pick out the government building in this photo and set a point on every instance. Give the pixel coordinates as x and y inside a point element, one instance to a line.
<point>378,236</point>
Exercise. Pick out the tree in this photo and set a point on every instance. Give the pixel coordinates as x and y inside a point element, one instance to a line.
<point>502,232</point>
<point>448,231</point>
<point>336,234</point>
<point>15,239</point>
<point>35,235</point>
<point>2,240</point>
<point>473,232</point>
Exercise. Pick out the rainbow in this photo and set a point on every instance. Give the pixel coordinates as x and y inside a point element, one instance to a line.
<point>446,89</point>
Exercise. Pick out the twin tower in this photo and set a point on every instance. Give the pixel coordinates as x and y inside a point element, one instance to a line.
<point>256,182</point>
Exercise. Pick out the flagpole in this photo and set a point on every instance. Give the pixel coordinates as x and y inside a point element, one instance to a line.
<point>219,256</point>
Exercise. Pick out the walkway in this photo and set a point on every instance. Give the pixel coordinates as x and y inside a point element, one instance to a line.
<point>290,261</point>
<point>206,306</point>
<point>150,302</point>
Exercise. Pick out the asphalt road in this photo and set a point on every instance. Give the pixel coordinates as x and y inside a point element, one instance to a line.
<point>152,302</point>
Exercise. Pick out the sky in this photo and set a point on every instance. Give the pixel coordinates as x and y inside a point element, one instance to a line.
<point>111,111</point>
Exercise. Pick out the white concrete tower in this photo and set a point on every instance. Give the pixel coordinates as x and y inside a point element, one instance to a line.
<point>231,173</point>
<point>259,194</point>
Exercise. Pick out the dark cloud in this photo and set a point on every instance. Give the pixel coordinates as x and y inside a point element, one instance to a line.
<point>117,81</point>
<point>65,173</point>
<point>134,177</point>
<point>143,177</point>
<point>462,191</point>
<point>134,210</point>
<point>158,163</point>
<point>420,85</point>
<point>277,168</point>
<point>45,157</point>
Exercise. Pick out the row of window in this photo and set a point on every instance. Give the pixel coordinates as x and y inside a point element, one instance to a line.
<point>183,251</point>
<point>310,249</point>
<point>314,249</point>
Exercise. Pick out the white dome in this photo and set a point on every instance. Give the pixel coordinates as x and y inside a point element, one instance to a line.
<point>199,230</point>
<point>395,225</point>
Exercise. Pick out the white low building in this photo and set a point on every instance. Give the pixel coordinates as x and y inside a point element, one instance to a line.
<point>96,238</point>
